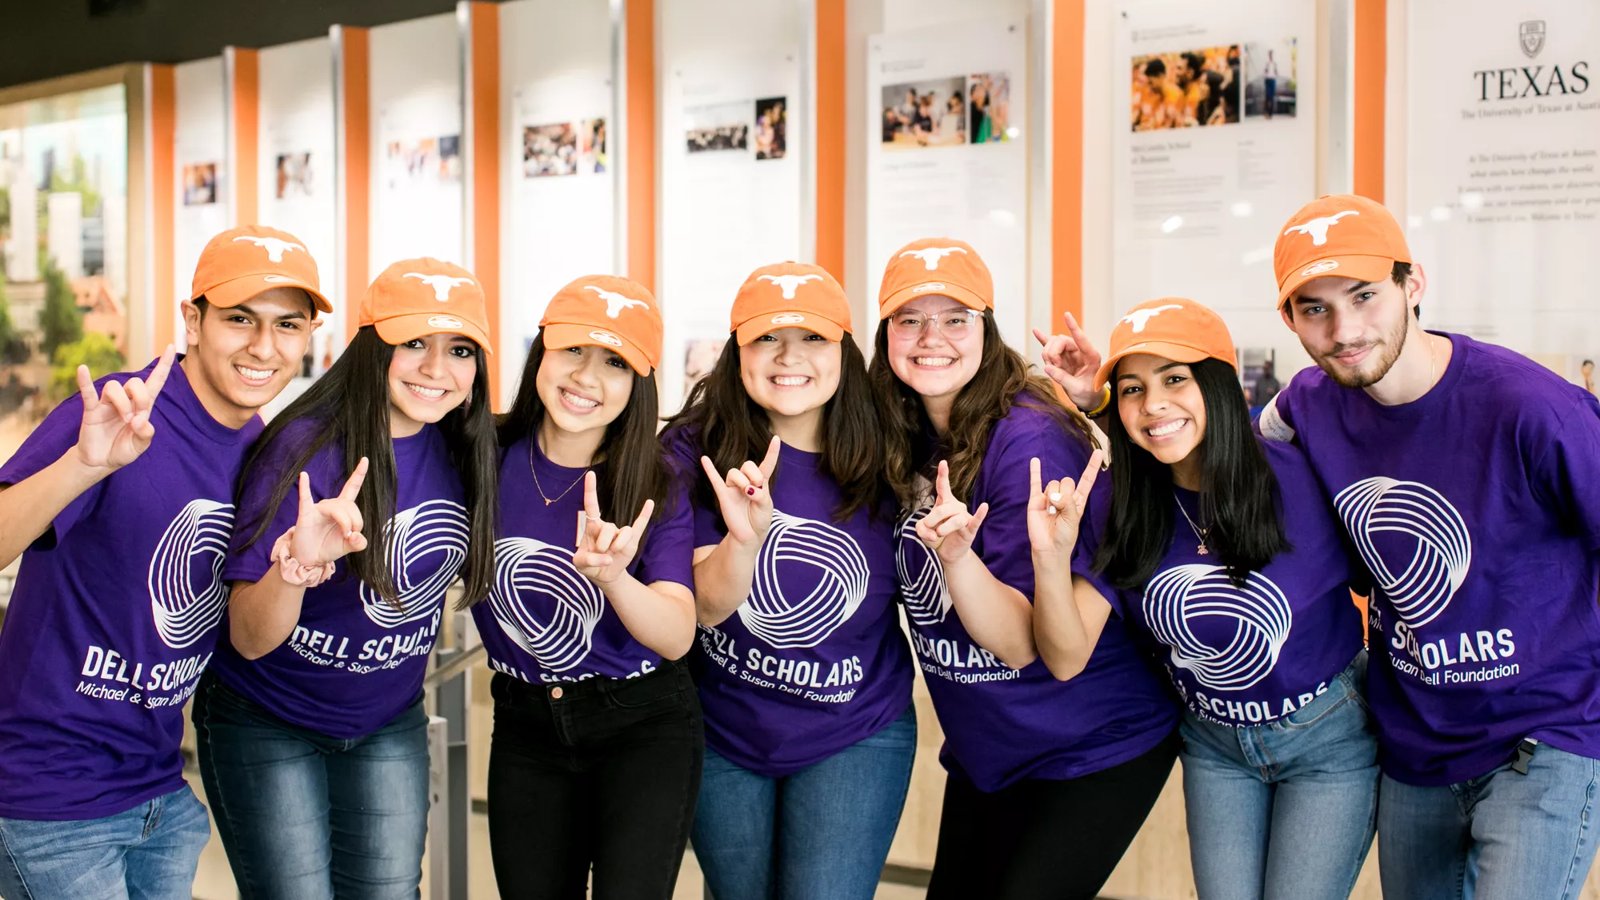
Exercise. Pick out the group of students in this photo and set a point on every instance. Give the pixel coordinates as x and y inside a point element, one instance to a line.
<point>696,633</point>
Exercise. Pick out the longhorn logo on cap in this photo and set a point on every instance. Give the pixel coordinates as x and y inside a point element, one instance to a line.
<point>790,283</point>
<point>930,256</point>
<point>1318,227</point>
<point>442,284</point>
<point>275,247</point>
<point>615,302</point>
<point>1139,318</point>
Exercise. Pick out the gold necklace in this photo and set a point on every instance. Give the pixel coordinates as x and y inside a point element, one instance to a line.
<point>535,473</point>
<point>1199,532</point>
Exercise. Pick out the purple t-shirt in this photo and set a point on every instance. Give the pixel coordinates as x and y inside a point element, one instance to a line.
<point>1252,654</point>
<point>1476,509</point>
<point>814,660</point>
<point>544,622</point>
<point>354,660</point>
<point>114,613</point>
<point>1002,725</point>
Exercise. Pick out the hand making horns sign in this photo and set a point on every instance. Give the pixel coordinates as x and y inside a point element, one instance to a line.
<point>745,496</point>
<point>1056,509</point>
<point>116,423</point>
<point>1072,362</point>
<point>948,529</point>
<point>326,530</point>
<point>604,550</point>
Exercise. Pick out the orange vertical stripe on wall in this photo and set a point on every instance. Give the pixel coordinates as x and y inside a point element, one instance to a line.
<point>1371,44</point>
<point>832,137</point>
<point>244,109</point>
<point>163,102</point>
<point>483,93</point>
<point>639,36</point>
<point>356,127</point>
<point>1066,163</point>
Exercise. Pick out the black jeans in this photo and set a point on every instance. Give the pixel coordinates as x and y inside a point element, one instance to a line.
<point>600,773</point>
<point>1041,839</point>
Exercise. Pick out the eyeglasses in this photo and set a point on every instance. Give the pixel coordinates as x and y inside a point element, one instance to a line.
<point>954,324</point>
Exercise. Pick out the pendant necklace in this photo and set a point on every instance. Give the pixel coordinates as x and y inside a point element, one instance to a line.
<point>1199,533</point>
<point>535,473</point>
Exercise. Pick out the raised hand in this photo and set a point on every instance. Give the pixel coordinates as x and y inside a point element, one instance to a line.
<point>328,529</point>
<point>948,529</point>
<point>1072,362</point>
<point>744,496</point>
<point>604,550</point>
<point>116,425</point>
<point>1056,509</point>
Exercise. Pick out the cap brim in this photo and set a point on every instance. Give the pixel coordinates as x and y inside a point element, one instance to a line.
<point>1356,266</point>
<point>399,329</point>
<point>235,291</point>
<point>766,323</point>
<point>932,288</point>
<point>1164,349</point>
<point>561,335</point>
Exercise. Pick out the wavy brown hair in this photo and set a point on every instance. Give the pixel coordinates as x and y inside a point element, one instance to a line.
<point>1002,381</point>
<point>732,429</point>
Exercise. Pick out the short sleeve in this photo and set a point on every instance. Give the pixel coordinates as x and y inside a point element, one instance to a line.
<point>706,527</point>
<point>1567,475</point>
<point>1005,485</point>
<point>49,442</point>
<point>668,551</point>
<point>248,561</point>
<point>1276,421</point>
<point>1090,533</point>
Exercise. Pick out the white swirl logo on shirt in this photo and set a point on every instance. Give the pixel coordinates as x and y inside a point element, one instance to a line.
<point>437,528</point>
<point>187,595</point>
<point>1421,587</point>
<point>922,587</point>
<point>524,567</point>
<point>1183,597</point>
<point>841,584</point>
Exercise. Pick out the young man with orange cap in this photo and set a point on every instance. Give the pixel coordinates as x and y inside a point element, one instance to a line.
<point>1465,475</point>
<point>311,735</point>
<point>121,506</point>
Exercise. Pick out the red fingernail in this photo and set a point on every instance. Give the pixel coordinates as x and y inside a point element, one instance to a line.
<point>751,491</point>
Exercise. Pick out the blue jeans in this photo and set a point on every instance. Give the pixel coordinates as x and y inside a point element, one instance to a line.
<point>304,816</point>
<point>1283,809</point>
<point>1500,835</point>
<point>822,832</point>
<point>149,852</point>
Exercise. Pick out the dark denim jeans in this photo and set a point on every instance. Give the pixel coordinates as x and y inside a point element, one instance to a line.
<point>304,816</point>
<point>597,774</point>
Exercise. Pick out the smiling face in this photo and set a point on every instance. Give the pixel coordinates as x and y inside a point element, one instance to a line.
<point>428,377</point>
<point>583,389</point>
<point>790,373</point>
<point>1354,330</point>
<point>1161,409</point>
<point>240,357</point>
<point>935,347</point>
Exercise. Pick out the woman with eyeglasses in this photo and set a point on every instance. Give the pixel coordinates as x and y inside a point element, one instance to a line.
<point>1047,782</point>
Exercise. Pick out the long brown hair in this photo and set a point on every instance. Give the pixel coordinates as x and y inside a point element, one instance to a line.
<point>731,428</point>
<point>630,440</point>
<point>350,406</point>
<point>1003,379</point>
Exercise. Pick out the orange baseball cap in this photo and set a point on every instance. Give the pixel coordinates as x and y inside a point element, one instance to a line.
<point>940,266</point>
<point>790,295</point>
<point>606,311</point>
<point>242,262</point>
<point>1172,327</point>
<point>417,297</point>
<point>1337,235</point>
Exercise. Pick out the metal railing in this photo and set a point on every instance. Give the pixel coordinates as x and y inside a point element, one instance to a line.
<point>448,691</point>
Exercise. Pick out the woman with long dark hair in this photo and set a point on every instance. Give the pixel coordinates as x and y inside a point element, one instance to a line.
<point>803,670</point>
<point>1222,548</point>
<point>595,759</point>
<point>312,738</point>
<point>1048,783</point>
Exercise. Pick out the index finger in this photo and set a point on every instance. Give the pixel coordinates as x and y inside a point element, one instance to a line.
<point>770,461</point>
<point>591,499</point>
<point>352,485</point>
<point>158,377</point>
<point>643,518</point>
<point>1041,337</point>
<point>1074,330</point>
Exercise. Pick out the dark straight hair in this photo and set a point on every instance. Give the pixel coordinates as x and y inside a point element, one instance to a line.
<point>350,404</point>
<point>1003,380</point>
<point>630,441</point>
<point>1238,491</point>
<point>731,428</point>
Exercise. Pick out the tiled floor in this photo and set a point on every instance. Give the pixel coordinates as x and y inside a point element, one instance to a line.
<point>216,883</point>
